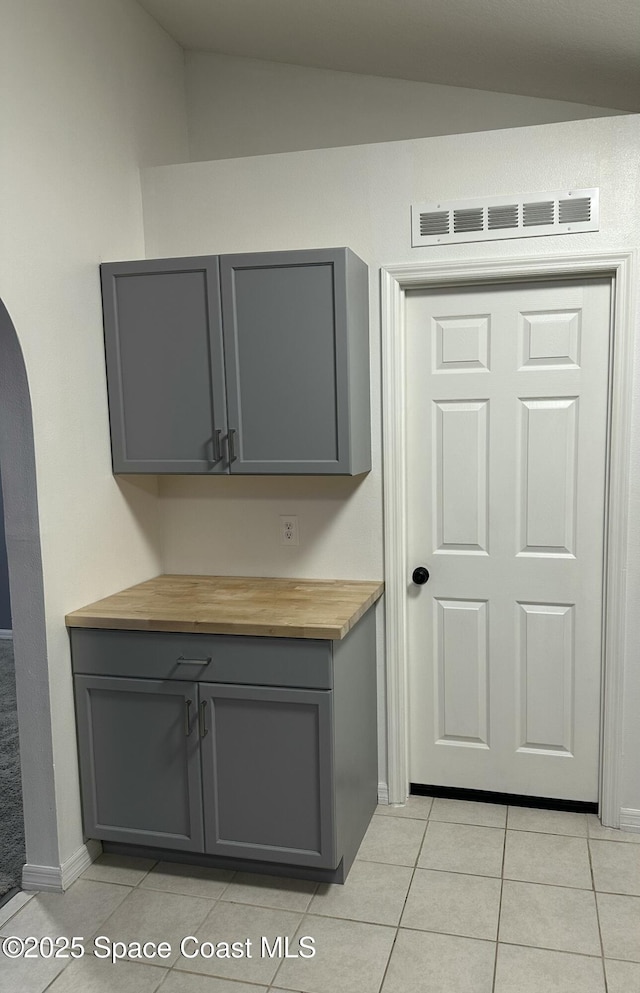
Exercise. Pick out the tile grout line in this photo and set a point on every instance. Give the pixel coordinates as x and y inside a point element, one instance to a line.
<point>94,933</point>
<point>396,865</point>
<point>16,912</point>
<point>547,948</point>
<point>57,976</point>
<point>404,903</point>
<point>483,875</point>
<point>595,900</point>
<point>512,944</point>
<point>495,827</point>
<point>303,913</point>
<point>162,981</point>
<point>172,967</point>
<point>504,854</point>
<point>179,972</point>
<point>339,920</point>
<point>154,962</point>
<point>297,929</point>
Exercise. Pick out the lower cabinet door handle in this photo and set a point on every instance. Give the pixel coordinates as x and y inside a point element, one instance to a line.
<point>204,731</point>
<point>187,718</point>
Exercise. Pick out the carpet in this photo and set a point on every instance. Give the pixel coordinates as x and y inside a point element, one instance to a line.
<point>12,850</point>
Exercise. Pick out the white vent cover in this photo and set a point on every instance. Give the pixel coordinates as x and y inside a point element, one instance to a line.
<point>491,218</point>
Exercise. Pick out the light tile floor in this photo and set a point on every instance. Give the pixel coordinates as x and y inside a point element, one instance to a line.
<point>445,897</point>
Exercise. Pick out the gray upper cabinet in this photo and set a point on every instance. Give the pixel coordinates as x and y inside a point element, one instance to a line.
<point>296,337</point>
<point>254,363</point>
<point>165,365</point>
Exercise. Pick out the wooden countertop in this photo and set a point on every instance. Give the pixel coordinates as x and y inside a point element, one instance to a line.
<point>282,608</point>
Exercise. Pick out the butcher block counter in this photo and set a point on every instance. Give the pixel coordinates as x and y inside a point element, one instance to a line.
<point>229,721</point>
<point>283,608</point>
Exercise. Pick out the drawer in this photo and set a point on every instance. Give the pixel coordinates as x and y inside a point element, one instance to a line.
<point>210,658</point>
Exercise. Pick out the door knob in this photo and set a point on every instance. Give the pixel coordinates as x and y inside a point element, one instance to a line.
<point>420,575</point>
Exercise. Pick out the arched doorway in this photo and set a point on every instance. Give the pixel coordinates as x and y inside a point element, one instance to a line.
<point>12,848</point>
<point>17,459</point>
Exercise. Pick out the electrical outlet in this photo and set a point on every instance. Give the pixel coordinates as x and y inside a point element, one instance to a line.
<point>288,529</point>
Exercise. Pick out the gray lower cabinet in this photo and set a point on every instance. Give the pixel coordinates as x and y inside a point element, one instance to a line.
<point>253,363</point>
<point>202,746</point>
<point>267,774</point>
<point>140,767</point>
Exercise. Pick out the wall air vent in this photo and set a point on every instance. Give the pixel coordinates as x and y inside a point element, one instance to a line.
<point>503,217</point>
<point>538,213</point>
<point>468,220</point>
<point>491,218</point>
<point>575,210</point>
<point>434,223</point>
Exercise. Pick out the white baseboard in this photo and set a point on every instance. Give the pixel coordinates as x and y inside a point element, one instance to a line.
<point>383,793</point>
<point>60,877</point>
<point>630,819</point>
<point>6,633</point>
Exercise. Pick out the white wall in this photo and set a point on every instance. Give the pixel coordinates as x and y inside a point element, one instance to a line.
<point>242,106</point>
<point>89,92</point>
<point>360,196</point>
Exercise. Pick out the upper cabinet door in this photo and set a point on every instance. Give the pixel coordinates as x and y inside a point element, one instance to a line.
<point>297,362</point>
<point>165,366</point>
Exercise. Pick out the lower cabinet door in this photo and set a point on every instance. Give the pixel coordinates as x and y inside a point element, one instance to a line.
<point>140,761</point>
<point>267,766</point>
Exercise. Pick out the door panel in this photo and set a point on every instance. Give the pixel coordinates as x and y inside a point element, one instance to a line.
<point>267,765</point>
<point>163,340</point>
<point>140,785</point>
<point>547,477</point>
<point>545,676</point>
<point>507,437</point>
<point>460,634</point>
<point>286,360</point>
<point>462,498</point>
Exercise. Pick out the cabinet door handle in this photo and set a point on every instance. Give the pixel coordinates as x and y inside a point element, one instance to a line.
<point>181,660</point>
<point>217,451</point>
<point>187,718</point>
<point>232,447</point>
<point>204,731</point>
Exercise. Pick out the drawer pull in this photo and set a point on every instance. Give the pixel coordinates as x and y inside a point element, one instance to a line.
<point>181,660</point>
<point>187,718</point>
<point>204,731</point>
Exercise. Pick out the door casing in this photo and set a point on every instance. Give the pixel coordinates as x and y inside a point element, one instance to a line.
<point>395,280</point>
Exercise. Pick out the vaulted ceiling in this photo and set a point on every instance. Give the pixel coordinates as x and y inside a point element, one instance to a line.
<point>587,51</point>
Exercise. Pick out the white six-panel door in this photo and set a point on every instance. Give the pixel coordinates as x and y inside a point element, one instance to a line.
<point>507,434</point>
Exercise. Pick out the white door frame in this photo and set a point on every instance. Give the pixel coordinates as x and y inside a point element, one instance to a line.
<point>395,281</point>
